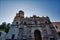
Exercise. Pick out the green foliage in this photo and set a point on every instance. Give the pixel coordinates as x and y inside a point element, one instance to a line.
<point>5,27</point>
<point>2,27</point>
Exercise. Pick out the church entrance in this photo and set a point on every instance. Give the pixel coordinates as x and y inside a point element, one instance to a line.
<point>37,35</point>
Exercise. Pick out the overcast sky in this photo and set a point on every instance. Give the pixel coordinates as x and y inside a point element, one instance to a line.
<point>9,8</point>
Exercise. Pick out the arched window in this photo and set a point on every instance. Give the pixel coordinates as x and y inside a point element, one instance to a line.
<point>0,33</point>
<point>16,22</point>
<point>24,23</point>
<point>13,36</point>
<point>56,27</point>
<point>35,22</point>
<point>46,22</point>
<point>59,33</point>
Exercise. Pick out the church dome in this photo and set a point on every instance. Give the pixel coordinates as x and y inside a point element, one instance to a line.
<point>21,12</point>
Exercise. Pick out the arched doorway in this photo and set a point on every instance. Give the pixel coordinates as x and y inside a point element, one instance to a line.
<point>37,35</point>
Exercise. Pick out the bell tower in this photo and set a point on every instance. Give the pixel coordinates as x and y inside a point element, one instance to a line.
<point>19,16</point>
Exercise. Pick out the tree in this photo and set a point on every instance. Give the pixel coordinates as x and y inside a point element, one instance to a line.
<point>5,27</point>
<point>8,25</point>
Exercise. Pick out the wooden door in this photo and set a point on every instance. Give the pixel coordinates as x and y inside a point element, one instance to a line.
<point>37,35</point>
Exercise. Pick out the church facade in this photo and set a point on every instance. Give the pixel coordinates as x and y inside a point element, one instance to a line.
<point>31,28</point>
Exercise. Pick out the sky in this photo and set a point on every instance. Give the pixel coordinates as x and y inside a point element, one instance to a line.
<point>9,8</point>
